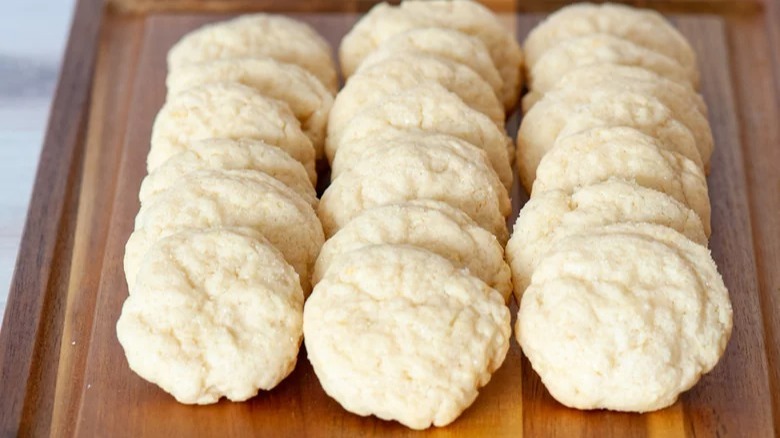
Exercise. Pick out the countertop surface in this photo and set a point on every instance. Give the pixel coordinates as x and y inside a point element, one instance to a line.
<point>32,37</point>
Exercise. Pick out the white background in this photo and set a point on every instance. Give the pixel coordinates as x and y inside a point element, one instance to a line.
<point>32,38</point>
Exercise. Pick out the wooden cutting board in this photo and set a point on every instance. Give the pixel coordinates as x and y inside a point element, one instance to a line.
<point>64,373</point>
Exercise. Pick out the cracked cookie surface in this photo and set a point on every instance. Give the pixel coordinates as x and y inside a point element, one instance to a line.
<point>230,198</point>
<point>411,167</point>
<point>426,224</point>
<point>307,98</point>
<point>639,308</point>
<point>226,110</point>
<point>400,333</point>
<point>215,313</point>
<point>275,36</point>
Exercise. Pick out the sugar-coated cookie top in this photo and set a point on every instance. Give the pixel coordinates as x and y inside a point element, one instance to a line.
<point>431,108</point>
<point>226,110</point>
<point>445,43</point>
<point>307,98</point>
<point>562,113</point>
<point>598,154</point>
<point>374,84</point>
<point>601,48</point>
<point>673,94</point>
<point>224,198</point>
<point>419,166</point>
<point>276,36</point>
<point>214,313</point>
<point>644,27</point>
<point>625,317</point>
<point>384,21</point>
<point>400,333</point>
<point>553,215</point>
<point>424,110</point>
<point>432,225</point>
<point>226,154</point>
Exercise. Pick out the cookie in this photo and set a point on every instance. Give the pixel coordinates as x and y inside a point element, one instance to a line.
<point>230,198</point>
<point>258,35</point>
<point>384,21</point>
<point>642,27</point>
<point>214,313</point>
<point>444,43</point>
<point>351,152</point>
<point>430,108</point>
<point>226,110</point>
<point>601,48</point>
<point>400,333</point>
<point>431,225</point>
<point>625,317</point>
<point>374,84</point>
<point>436,167</point>
<point>307,98</point>
<point>628,78</point>
<point>553,215</point>
<point>596,155</point>
<point>564,113</point>
<point>225,154</point>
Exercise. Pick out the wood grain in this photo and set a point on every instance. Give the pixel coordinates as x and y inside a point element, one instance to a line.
<point>119,47</point>
<point>742,372</point>
<point>235,6</point>
<point>69,286</point>
<point>756,65</point>
<point>32,324</point>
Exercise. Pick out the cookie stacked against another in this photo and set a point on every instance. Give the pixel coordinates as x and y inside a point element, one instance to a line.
<point>621,304</point>
<point>386,22</point>
<point>227,235</point>
<point>407,320</point>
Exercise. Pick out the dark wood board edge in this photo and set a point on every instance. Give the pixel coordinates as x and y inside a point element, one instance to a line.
<point>107,123</point>
<point>146,7</point>
<point>755,50</point>
<point>733,249</point>
<point>125,204</point>
<point>211,6</point>
<point>33,312</point>
<point>765,201</point>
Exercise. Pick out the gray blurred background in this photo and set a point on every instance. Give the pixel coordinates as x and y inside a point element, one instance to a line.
<point>32,38</point>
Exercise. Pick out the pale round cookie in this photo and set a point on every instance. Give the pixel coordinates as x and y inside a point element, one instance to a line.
<point>225,154</point>
<point>214,313</point>
<point>374,84</point>
<point>602,48</point>
<point>307,98</point>
<point>400,333</point>
<point>257,35</point>
<point>437,167</point>
<point>350,153</point>
<point>564,113</point>
<point>226,110</point>
<point>230,198</point>
<point>555,214</point>
<point>634,110</point>
<point>678,96</point>
<point>596,155</point>
<point>643,27</point>
<point>475,19</point>
<point>430,108</point>
<point>625,318</point>
<point>445,43</point>
<point>384,21</point>
<point>431,225</point>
